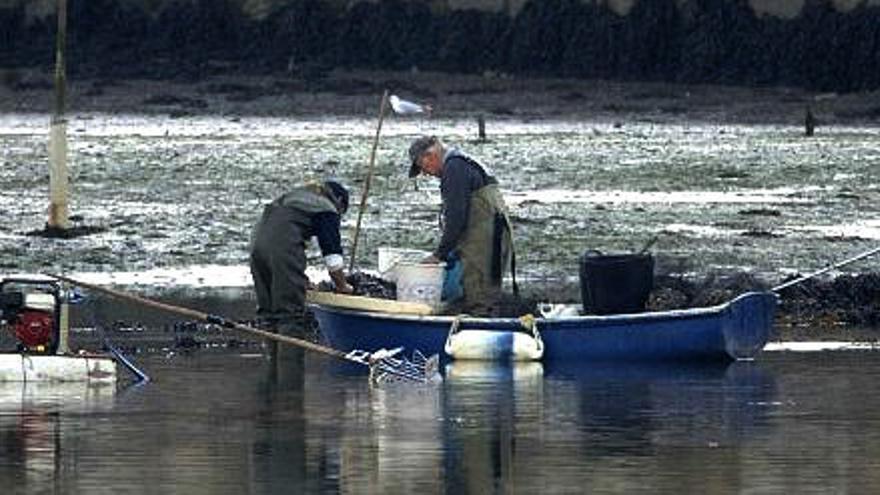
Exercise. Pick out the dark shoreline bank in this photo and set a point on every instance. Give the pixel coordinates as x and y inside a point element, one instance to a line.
<point>357,93</point>
<point>708,42</point>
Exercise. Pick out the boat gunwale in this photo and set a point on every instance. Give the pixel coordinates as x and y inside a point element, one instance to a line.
<point>622,317</point>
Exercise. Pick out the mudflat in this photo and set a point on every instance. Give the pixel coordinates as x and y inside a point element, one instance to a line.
<point>174,172</point>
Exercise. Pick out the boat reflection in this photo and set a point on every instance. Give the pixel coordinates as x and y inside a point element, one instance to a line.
<point>500,427</point>
<point>652,405</point>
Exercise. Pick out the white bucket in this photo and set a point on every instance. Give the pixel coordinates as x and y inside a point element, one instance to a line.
<point>420,282</point>
<point>389,257</point>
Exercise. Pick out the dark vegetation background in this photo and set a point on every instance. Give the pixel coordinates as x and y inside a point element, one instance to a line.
<point>705,41</point>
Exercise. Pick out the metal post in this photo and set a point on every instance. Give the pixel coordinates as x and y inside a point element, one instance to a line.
<point>64,329</point>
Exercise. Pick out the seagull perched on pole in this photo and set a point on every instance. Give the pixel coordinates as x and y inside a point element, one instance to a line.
<point>404,107</point>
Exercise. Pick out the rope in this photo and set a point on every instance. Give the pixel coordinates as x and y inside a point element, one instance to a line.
<point>826,269</point>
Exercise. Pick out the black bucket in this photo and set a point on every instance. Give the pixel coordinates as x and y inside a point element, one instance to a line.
<point>615,283</point>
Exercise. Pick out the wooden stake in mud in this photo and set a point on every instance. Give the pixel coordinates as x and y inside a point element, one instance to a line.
<point>357,228</point>
<point>809,122</point>
<point>481,128</point>
<point>58,176</point>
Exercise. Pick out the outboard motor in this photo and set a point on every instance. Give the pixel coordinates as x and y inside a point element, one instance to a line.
<point>31,311</point>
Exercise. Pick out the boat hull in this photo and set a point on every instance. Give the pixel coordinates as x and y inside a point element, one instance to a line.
<point>735,330</point>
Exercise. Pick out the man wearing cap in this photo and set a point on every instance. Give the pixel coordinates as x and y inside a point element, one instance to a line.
<point>476,230</point>
<point>278,251</point>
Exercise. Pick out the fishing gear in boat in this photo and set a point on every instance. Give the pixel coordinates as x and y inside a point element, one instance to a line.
<point>826,269</point>
<point>385,365</point>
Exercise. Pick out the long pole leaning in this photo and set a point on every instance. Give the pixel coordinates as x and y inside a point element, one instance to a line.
<point>827,269</point>
<point>198,315</point>
<point>384,364</point>
<point>357,228</point>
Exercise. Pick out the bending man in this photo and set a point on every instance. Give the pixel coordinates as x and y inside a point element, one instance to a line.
<point>278,251</point>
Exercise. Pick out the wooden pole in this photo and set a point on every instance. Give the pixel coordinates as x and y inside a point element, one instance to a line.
<point>208,318</point>
<point>357,228</point>
<point>58,174</point>
<point>383,364</point>
<point>809,122</point>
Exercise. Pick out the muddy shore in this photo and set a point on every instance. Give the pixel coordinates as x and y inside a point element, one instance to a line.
<point>841,308</point>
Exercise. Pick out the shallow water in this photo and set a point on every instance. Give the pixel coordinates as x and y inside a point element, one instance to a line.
<point>176,193</point>
<point>227,421</point>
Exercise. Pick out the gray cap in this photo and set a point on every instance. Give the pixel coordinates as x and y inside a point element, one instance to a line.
<point>416,150</point>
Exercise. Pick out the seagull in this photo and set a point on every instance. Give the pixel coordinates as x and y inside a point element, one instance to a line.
<point>404,107</point>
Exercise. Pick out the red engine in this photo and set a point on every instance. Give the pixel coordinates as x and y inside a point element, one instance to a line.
<point>34,329</point>
<point>29,311</point>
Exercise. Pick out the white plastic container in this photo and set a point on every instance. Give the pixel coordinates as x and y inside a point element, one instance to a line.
<point>420,282</point>
<point>389,257</point>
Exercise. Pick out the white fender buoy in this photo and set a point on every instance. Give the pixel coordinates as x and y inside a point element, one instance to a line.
<point>495,345</point>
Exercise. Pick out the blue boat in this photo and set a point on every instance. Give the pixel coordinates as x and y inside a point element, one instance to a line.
<point>737,329</point>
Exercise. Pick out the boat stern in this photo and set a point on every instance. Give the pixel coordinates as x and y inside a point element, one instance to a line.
<point>747,323</point>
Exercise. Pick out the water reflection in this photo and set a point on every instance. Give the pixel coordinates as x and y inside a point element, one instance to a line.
<point>498,428</point>
<point>34,430</point>
<point>279,445</point>
<point>488,408</point>
<point>241,423</point>
<point>652,405</point>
